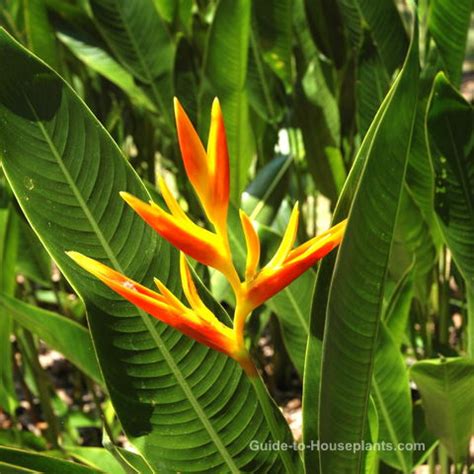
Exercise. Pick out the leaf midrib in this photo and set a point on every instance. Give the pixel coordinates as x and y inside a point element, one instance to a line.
<point>146,320</point>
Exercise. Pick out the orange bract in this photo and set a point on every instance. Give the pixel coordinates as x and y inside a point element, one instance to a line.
<point>208,172</point>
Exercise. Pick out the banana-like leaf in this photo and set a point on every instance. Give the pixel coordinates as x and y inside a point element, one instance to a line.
<point>353,21</point>
<point>391,393</point>
<point>325,24</point>
<point>371,85</point>
<point>34,462</point>
<point>355,298</point>
<point>140,40</point>
<point>226,70</point>
<point>273,23</point>
<point>59,332</point>
<point>450,123</point>
<point>312,372</point>
<point>446,392</point>
<point>387,30</point>
<point>96,58</point>
<point>39,33</point>
<point>398,308</point>
<point>179,402</point>
<point>413,244</point>
<point>263,196</point>
<point>449,25</point>
<point>420,178</point>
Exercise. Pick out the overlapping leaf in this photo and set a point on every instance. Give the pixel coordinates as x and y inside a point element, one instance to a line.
<point>355,298</point>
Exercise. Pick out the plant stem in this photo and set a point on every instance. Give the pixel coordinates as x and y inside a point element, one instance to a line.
<point>443,298</point>
<point>277,425</point>
<point>443,459</point>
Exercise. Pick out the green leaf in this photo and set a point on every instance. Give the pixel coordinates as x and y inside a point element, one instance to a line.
<point>420,177</point>
<point>138,37</point>
<point>96,58</point>
<point>101,459</point>
<point>40,463</point>
<point>413,244</point>
<point>180,403</point>
<point>353,21</point>
<point>274,27</point>
<point>371,85</point>
<point>355,298</point>
<point>449,25</point>
<point>11,469</point>
<point>59,332</point>
<point>391,393</point>
<point>325,23</point>
<point>166,9</point>
<point>398,308</point>
<point>312,372</point>
<point>387,30</point>
<point>446,392</point>
<point>292,306</point>
<point>263,196</point>
<point>450,124</point>
<point>39,32</point>
<point>225,67</point>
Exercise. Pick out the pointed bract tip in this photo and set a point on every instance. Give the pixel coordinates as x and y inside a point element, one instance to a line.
<point>72,254</point>
<point>130,199</point>
<point>216,106</point>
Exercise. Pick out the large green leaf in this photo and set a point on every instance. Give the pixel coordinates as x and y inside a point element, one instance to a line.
<point>353,21</point>
<point>449,25</point>
<point>226,70</point>
<point>312,372</point>
<point>59,332</point>
<point>39,463</point>
<point>96,58</point>
<point>179,402</point>
<point>450,123</point>
<point>263,196</point>
<point>391,393</point>
<point>372,84</point>
<point>39,32</point>
<point>387,30</point>
<point>413,244</point>
<point>446,392</point>
<point>355,297</point>
<point>140,40</point>
<point>398,307</point>
<point>325,23</point>
<point>273,24</point>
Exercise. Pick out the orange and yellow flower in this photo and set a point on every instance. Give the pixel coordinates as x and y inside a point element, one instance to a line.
<point>208,172</point>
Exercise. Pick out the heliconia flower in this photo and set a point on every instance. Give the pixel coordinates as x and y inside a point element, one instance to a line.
<point>287,264</point>
<point>208,172</point>
<point>196,321</point>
